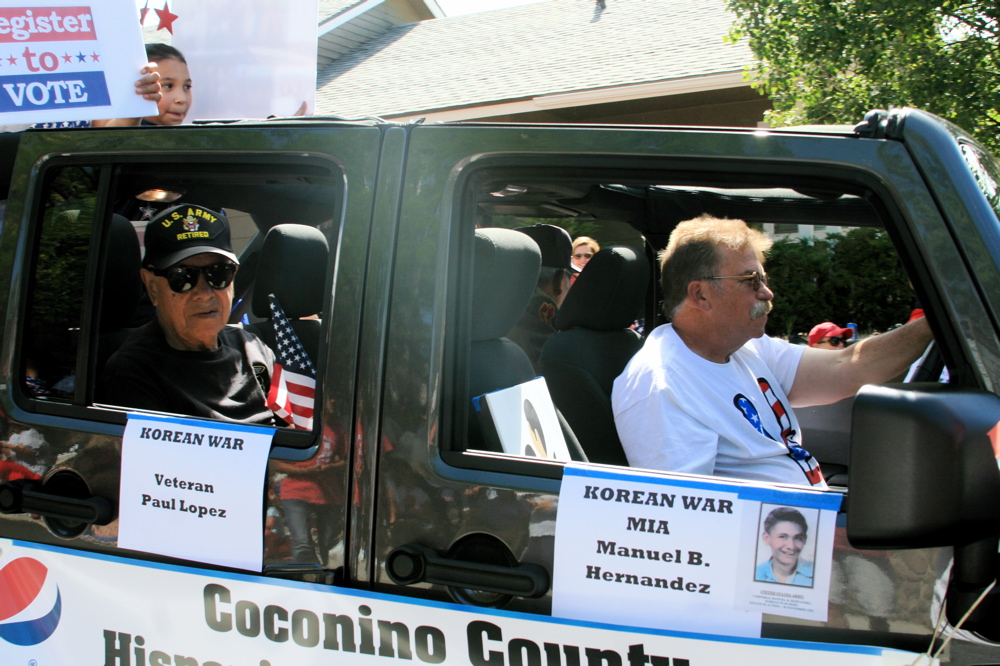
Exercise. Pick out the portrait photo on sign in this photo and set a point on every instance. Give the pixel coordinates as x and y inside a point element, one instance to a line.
<point>786,545</point>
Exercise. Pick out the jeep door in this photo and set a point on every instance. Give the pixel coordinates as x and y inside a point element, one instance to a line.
<point>70,246</point>
<point>453,519</point>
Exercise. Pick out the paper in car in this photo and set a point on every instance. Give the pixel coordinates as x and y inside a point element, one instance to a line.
<point>522,419</point>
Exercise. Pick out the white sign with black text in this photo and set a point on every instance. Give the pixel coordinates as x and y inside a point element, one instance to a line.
<point>689,554</point>
<point>194,490</point>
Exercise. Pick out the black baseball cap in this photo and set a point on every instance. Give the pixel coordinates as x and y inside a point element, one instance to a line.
<point>554,242</point>
<point>184,231</point>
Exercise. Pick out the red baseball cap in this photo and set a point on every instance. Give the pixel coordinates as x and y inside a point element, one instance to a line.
<point>828,329</point>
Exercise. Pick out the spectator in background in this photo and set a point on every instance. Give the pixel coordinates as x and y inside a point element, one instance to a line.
<point>535,325</point>
<point>829,336</point>
<point>584,249</point>
<point>311,494</point>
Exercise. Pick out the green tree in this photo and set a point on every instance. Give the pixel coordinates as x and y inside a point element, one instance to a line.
<point>825,61</point>
<point>866,275</point>
<point>56,305</point>
<point>853,277</point>
<point>798,271</point>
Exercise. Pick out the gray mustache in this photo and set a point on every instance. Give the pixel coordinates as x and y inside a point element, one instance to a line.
<point>761,308</point>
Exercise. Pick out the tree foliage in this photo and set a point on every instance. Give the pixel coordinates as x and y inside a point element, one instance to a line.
<point>55,310</point>
<point>830,61</point>
<point>854,277</point>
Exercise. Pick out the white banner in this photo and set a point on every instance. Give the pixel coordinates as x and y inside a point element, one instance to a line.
<point>59,606</point>
<point>194,490</point>
<point>248,59</point>
<point>66,61</point>
<point>690,554</point>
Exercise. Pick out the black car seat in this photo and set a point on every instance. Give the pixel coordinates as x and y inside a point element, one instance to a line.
<point>292,266</point>
<point>121,289</point>
<point>504,277</point>
<point>593,345</point>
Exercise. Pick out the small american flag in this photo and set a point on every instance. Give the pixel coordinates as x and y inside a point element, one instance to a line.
<point>293,381</point>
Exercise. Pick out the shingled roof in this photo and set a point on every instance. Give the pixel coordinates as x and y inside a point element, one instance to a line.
<point>560,46</point>
<point>329,9</point>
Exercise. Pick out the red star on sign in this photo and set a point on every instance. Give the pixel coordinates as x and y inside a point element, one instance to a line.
<point>143,12</point>
<point>166,18</point>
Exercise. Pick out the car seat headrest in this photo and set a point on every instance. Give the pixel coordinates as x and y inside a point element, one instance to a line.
<point>608,293</point>
<point>504,277</point>
<point>292,267</point>
<point>121,287</point>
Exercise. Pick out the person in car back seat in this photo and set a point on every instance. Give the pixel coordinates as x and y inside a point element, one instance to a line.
<point>535,325</point>
<point>584,249</point>
<point>709,393</point>
<point>187,361</point>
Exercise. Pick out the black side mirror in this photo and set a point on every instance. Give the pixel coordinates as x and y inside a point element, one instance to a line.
<point>923,467</point>
<point>924,474</point>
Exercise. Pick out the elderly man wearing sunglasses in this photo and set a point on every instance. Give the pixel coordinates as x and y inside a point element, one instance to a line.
<point>187,360</point>
<point>710,393</point>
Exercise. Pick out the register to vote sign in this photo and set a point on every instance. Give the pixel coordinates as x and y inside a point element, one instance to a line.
<point>63,61</point>
<point>194,490</point>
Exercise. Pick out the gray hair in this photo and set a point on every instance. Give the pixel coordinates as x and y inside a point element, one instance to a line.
<point>692,254</point>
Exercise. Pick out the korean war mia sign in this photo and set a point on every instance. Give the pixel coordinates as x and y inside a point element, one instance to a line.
<point>65,61</point>
<point>708,556</point>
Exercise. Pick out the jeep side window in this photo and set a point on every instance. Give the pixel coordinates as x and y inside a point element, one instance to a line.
<point>55,307</point>
<point>85,296</point>
<point>834,259</point>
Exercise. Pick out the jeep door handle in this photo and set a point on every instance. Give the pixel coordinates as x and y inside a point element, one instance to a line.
<point>414,563</point>
<point>25,497</point>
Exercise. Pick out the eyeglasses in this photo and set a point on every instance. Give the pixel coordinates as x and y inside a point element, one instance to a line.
<point>585,255</point>
<point>183,279</point>
<point>836,341</point>
<point>757,280</point>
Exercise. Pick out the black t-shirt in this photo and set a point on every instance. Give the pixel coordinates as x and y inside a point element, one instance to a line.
<point>228,384</point>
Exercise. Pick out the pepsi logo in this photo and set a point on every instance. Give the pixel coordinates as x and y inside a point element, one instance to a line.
<point>30,603</point>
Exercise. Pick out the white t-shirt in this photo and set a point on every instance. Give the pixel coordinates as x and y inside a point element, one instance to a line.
<point>678,412</point>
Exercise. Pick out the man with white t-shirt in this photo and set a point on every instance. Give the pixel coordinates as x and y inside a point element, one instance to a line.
<point>709,393</point>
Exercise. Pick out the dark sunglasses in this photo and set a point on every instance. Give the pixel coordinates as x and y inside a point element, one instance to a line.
<point>587,255</point>
<point>836,341</point>
<point>757,280</point>
<point>183,279</point>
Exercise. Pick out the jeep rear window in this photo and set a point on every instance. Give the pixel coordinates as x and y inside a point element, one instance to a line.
<point>55,305</point>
